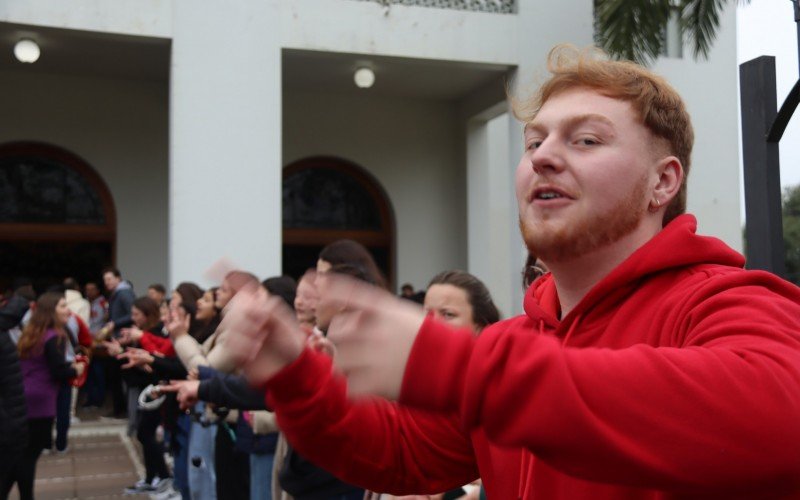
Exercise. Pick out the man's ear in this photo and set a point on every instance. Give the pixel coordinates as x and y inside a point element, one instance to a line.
<point>669,181</point>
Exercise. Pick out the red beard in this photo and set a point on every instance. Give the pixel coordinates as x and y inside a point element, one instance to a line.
<point>586,234</point>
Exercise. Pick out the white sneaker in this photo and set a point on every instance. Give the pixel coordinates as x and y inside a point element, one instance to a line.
<point>161,485</point>
<point>141,486</point>
<point>168,494</point>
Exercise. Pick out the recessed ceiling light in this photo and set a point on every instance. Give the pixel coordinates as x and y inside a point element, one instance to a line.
<point>26,51</point>
<point>364,78</point>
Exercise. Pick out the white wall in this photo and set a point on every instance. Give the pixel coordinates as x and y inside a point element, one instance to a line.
<point>399,30</point>
<point>131,17</point>
<point>225,109</point>
<point>412,148</point>
<point>120,128</point>
<point>711,94</point>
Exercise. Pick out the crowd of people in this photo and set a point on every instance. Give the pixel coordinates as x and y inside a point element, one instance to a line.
<point>648,364</point>
<point>162,360</point>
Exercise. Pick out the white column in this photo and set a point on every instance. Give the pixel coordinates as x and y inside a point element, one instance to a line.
<point>225,138</point>
<point>490,207</point>
<point>516,247</point>
<point>477,197</point>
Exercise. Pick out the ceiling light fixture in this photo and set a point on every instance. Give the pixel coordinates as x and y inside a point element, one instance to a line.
<point>364,78</point>
<point>27,51</point>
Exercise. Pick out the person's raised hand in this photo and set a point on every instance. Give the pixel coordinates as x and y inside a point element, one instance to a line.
<point>373,334</point>
<point>178,323</point>
<point>186,391</point>
<point>263,334</point>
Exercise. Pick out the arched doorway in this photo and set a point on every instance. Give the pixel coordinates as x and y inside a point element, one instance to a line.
<point>326,199</point>
<point>57,217</point>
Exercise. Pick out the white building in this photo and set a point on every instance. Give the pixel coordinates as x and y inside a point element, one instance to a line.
<point>188,112</point>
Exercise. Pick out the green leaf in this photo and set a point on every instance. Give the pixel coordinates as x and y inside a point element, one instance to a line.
<point>699,19</point>
<point>635,29</point>
<point>632,29</point>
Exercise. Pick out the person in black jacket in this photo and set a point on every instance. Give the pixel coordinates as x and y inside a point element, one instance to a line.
<point>13,410</point>
<point>12,312</point>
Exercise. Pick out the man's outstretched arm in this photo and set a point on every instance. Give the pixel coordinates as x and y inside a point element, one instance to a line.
<point>369,442</point>
<point>717,409</point>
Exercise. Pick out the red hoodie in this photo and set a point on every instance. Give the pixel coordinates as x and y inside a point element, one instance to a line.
<point>157,344</point>
<point>677,375</point>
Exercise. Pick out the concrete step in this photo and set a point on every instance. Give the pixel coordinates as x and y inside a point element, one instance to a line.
<point>99,463</point>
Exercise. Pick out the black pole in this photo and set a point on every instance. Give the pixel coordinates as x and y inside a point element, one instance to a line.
<point>796,4</point>
<point>764,231</point>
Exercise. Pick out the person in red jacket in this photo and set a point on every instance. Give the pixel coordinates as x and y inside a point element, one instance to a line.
<point>648,363</point>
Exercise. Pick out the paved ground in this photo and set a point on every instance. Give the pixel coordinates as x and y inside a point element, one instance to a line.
<point>99,463</point>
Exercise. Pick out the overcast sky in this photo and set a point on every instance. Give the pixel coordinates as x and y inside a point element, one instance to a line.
<point>767,27</point>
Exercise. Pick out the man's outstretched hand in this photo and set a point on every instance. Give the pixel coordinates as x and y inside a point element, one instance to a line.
<point>263,334</point>
<point>373,334</point>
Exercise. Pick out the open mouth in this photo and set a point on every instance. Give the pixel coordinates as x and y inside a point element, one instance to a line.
<point>546,193</point>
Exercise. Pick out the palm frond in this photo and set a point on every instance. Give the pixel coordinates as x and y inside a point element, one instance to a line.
<point>699,20</point>
<point>635,29</point>
<point>631,29</point>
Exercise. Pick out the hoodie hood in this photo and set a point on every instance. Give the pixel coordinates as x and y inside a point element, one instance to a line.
<point>676,246</point>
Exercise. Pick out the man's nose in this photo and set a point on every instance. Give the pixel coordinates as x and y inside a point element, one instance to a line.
<point>548,156</point>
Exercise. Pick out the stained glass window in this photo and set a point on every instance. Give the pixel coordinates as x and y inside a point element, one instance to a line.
<point>322,198</point>
<point>41,190</point>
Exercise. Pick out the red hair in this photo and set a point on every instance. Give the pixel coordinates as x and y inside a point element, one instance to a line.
<point>658,105</point>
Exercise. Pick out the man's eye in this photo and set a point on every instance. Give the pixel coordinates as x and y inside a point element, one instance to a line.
<point>588,141</point>
<point>448,315</point>
<point>533,145</point>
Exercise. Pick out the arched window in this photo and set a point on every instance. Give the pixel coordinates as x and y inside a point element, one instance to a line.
<point>57,216</point>
<point>326,199</point>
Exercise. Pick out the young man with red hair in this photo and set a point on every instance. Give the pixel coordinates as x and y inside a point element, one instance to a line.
<point>648,363</point>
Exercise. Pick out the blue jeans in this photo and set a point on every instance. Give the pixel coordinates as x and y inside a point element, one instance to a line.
<point>181,446</point>
<point>63,405</point>
<point>202,477</point>
<point>261,476</point>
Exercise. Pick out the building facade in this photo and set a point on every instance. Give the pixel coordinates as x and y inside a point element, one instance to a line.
<point>201,117</point>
